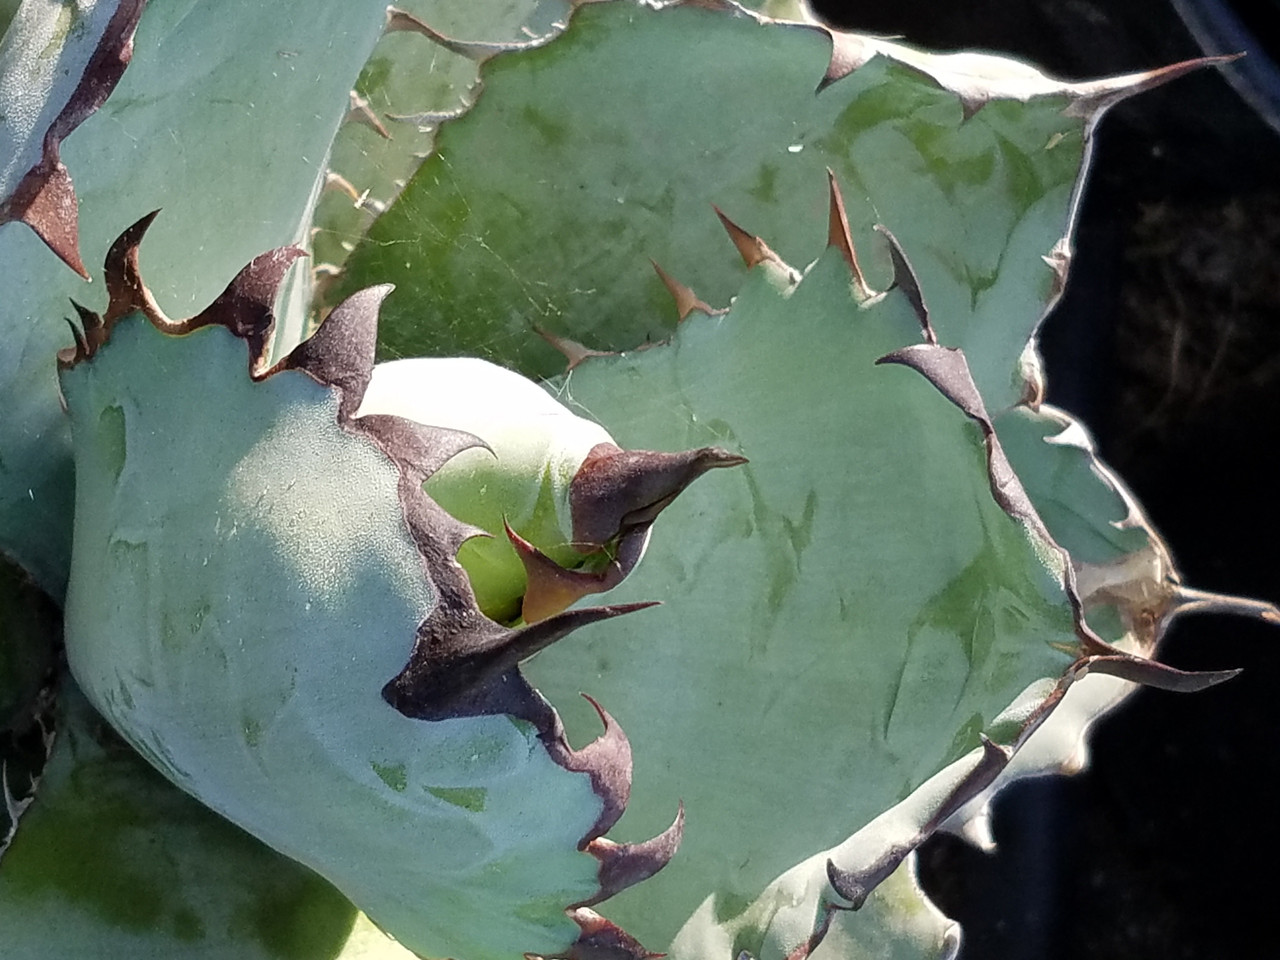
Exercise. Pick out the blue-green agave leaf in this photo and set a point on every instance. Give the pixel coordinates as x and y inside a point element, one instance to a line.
<point>224,118</point>
<point>424,69</point>
<point>58,63</point>
<point>246,625</point>
<point>1125,575</point>
<point>584,157</point>
<point>112,861</point>
<point>912,624</point>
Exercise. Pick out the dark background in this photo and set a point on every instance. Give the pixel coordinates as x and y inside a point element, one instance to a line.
<point>1168,345</point>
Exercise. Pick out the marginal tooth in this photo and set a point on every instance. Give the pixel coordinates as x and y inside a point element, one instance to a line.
<point>359,111</point>
<point>970,105</point>
<point>601,939</point>
<point>1187,600</point>
<point>849,51</point>
<point>904,278</point>
<point>551,588</point>
<point>428,120</point>
<point>247,306</point>
<point>529,640</point>
<point>623,865</point>
<point>336,181</point>
<point>1031,370</point>
<point>804,949</point>
<point>341,352</point>
<point>751,248</point>
<point>44,198</point>
<point>856,885</point>
<point>90,322</point>
<point>1093,97</point>
<point>1059,261</point>
<point>686,300</point>
<point>616,490</point>
<point>125,290</point>
<point>87,336</point>
<point>402,21</point>
<point>838,237</point>
<point>464,665</point>
<point>573,351</point>
<point>995,758</point>
<point>69,356</point>
<point>46,201</point>
<point>1152,673</point>
<point>607,759</point>
<point>420,450</point>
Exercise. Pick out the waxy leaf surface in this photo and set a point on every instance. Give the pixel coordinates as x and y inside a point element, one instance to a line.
<point>114,861</point>
<point>224,118</point>
<point>844,615</point>
<point>585,157</point>
<point>238,624</point>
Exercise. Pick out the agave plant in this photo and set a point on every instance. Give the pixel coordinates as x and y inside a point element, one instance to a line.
<point>322,615</point>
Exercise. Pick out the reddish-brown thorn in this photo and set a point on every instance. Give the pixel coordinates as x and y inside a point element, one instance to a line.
<point>616,490</point>
<point>336,181</point>
<point>551,588</point>
<point>849,52</point>
<point>601,939</point>
<point>819,934</point>
<point>45,201</point>
<point>69,356</point>
<point>1152,673</point>
<point>125,290</point>
<point>686,300</point>
<point>359,111</point>
<point>1059,261</point>
<point>856,885</point>
<point>752,249</point>
<point>838,236</point>
<point>247,306</point>
<point>623,865</point>
<point>573,352</point>
<point>969,106</point>
<point>428,118</point>
<point>1095,96</point>
<point>44,198</point>
<point>1187,600</point>
<point>607,760</point>
<point>341,352</point>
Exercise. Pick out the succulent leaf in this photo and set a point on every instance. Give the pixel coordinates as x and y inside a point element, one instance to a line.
<point>224,118</point>
<point>423,70</point>
<point>567,512</point>
<point>246,628</point>
<point>58,63</point>
<point>113,861</point>
<point>831,674</point>
<point>876,620</point>
<point>584,157</point>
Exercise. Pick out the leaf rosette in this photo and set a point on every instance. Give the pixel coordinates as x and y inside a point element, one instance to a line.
<point>250,576</point>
